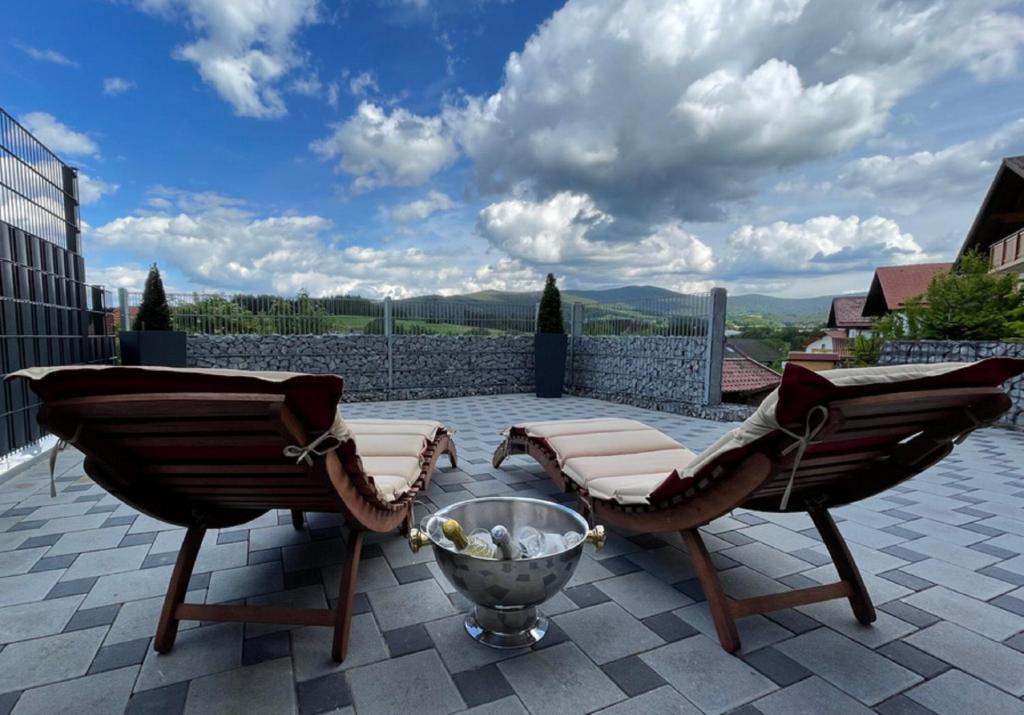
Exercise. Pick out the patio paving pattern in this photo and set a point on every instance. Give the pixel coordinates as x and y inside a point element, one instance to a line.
<point>82,578</point>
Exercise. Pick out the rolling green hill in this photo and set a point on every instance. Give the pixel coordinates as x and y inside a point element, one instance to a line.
<point>645,299</point>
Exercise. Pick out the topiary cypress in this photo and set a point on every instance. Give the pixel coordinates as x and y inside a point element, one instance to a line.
<point>154,313</point>
<point>549,316</point>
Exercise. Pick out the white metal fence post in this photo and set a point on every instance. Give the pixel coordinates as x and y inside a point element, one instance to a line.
<point>388,331</point>
<point>122,304</point>
<point>714,350</point>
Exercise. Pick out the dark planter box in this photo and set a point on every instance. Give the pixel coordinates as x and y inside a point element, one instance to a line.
<point>153,347</point>
<point>549,363</point>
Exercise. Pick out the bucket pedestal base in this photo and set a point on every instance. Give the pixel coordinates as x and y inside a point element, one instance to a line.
<point>506,628</point>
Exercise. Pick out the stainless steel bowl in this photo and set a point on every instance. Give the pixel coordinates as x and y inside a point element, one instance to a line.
<point>506,594</point>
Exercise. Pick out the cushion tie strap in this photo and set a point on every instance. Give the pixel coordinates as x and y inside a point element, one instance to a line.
<point>803,441</point>
<point>303,454</point>
<point>57,449</point>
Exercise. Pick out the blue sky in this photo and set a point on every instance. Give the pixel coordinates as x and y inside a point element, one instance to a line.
<point>418,146</point>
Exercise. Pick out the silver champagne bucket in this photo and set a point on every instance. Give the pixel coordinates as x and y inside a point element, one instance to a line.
<point>506,594</point>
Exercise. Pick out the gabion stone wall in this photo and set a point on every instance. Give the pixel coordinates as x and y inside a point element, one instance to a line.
<point>662,373</point>
<point>426,366</point>
<point>648,371</point>
<point>903,352</point>
<point>361,359</point>
<point>421,365</point>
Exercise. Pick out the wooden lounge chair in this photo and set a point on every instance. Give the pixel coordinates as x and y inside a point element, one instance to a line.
<point>820,441</point>
<point>208,449</point>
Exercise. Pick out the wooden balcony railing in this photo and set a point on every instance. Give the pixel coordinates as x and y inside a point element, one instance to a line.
<point>1008,253</point>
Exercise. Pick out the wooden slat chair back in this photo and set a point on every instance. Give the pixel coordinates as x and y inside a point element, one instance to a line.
<point>858,447</point>
<point>208,457</point>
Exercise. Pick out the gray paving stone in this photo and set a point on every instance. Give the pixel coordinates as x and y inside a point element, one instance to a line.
<point>848,665</point>
<point>276,536</point>
<point>263,689</point>
<point>755,631</point>
<point>311,648</point>
<point>505,706</point>
<point>606,632</point>
<point>138,619</point>
<point>89,540</point>
<point>666,563</point>
<point>812,696</point>
<point>102,693</point>
<point>559,681</point>
<point>120,655</point>
<point>107,561</point>
<point>769,561</point>
<point>14,563</point>
<point>661,700</point>
<point>778,537</point>
<point>26,587</point>
<point>992,662</point>
<point>305,597</point>
<point>978,616</point>
<point>457,650</point>
<point>838,615</point>
<point>40,618</point>
<point>129,586</point>
<point>27,664</point>
<point>642,594</point>
<point>405,604</point>
<point>196,652</point>
<point>711,679</point>
<point>245,581</point>
<point>955,693</point>
<point>413,683</point>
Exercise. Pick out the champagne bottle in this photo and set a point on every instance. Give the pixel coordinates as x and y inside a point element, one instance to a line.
<point>472,546</point>
<point>503,540</point>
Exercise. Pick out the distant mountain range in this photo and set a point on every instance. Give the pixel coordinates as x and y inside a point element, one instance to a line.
<point>785,310</point>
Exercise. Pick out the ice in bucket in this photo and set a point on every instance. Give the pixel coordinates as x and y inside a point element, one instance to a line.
<point>507,556</point>
<point>527,541</point>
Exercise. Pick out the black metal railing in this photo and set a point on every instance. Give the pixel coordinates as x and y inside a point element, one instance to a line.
<point>49,315</point>
<point>38,192</point>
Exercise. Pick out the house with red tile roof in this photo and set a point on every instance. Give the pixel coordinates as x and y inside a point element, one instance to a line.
<point>892,286</point>
<point>847,313</point>
<point>747,381</point>
<point>998,228</point>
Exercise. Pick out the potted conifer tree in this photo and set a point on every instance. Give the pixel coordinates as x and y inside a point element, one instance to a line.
<point>549,346</point>
<point>152,341</point>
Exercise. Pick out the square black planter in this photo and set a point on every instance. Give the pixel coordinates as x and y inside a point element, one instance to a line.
<point>165,348</point>
<point>549,363</point>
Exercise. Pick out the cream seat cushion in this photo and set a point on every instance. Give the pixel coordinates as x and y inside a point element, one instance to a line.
<point>392,451</point>
<point>626,460</point>
<point>618,459</point>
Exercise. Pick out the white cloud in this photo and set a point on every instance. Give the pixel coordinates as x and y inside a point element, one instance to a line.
<point>217,242</point>
<point>117,85</point>
<point>46,55</point>
<point>91,190</point>
<point>381,149</point>
<point>112,277</point>
<point>308,86</point>
<point>244,49</point>
<point>912,180</point>
<point>333,89</point>
<point>58,137</point>
<point>822,245</point>
<point>570,232</point>
<point>362,84</point>
<point>420,209</point>
<point>669,110</point>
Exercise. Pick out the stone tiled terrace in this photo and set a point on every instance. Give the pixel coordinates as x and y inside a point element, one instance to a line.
<point>82,577</point>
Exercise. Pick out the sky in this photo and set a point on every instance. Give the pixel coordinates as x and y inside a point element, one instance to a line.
<point>404,147</point>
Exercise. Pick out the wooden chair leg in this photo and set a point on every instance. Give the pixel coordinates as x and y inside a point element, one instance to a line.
<point>346,592</point>
<point>718,604</point>
<point>500,454</point>
<point>453,458</point>
<point>297,519</point>
<point>860,599</point>
<point>167,631</point>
